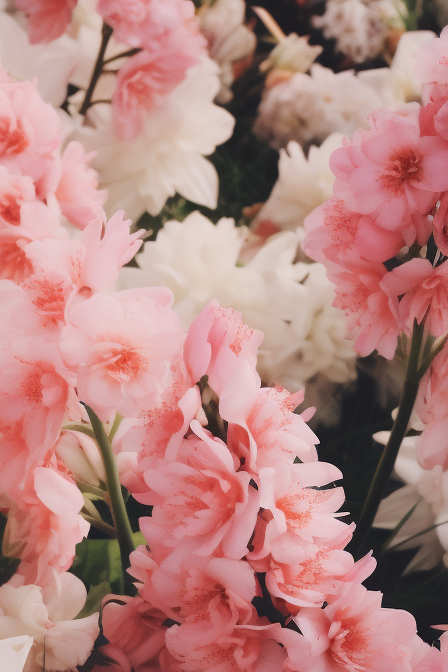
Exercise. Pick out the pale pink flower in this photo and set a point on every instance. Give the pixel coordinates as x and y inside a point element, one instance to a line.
<point>342,236</point>
<point>432,62</point>
<point>15,190</point>
<point>354,633</point>
<point>423,289</point>
<point>48,615</point>
<point>123,347</point>
<point>201,499</point>
<point>77,192</point>
<point>48,19</point>
<point>390,172</point>
<point>262,426</point>
<point>249,648</point>
<point>29,135</point>
<point>146,78</point>
<point>218,344</point>
<point>440,224</point>
<point>44,525</point>
<point>360,295</point>
<point>141,22</point>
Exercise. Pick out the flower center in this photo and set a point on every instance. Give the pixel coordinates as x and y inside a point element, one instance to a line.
<point>126,364</point>
<point>403,168</point>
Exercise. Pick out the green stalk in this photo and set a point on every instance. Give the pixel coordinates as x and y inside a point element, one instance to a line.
<point>116,501</point>
<point>390,452</point>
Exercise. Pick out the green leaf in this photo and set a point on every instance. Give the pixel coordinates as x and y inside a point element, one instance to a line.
<point>98,561</point>
<point>94,599</point>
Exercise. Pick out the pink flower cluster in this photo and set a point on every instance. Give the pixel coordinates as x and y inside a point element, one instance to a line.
<point>249,514</point>
<point>383,236</point>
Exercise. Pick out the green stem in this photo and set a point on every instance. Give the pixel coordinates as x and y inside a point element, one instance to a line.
<point>124,54</point>
<point>390,452</point>
<point>99,524</point>
<point>118,509</point>
<point>96,74</point>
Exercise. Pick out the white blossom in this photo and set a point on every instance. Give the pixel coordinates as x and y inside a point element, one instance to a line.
<point>229,40</point>
<point>14,652</point>
<point>293,53</point>
<point>360,27</point>
<point>308,108</point>
<point>289,301</point>
<point>168,156</point>
<point>427,491</point>
<point>303,184</point>
<point>46,614</point>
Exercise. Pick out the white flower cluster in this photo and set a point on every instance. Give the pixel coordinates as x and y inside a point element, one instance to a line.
<point>229,40</point>
<point>424,498</point>
<point>360,27</point>
<point>303,184</point>
<point>289,301</point>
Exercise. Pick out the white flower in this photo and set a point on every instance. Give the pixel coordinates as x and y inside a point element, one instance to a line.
<point>46,614</point>
<point>52,64</point>
<point>14,652</point>
<point>293,53</point>
<point>427,490</point>
<point>290,302</point>
<point>229,40</point>
<point>360,26</point>
<point>308,108</point>
<point>303,184</point>
<point>168,155</point>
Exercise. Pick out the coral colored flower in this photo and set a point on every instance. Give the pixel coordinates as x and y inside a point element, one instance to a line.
<point>424,292</point>
<point>390,172</point>
<point>360,295</point>
<point>77,192</point>
<point>344,237</point>
<point>354,633</point>
<point>218,342</point>
<point>47,615</point>
<point>123,348</point>
<point>48,19</point>
<point>43,522</point>
<point>202,499</point>
<point>146,78</point>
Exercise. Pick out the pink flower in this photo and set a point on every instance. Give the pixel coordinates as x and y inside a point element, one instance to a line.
<point>218,344</point>
<point>423,289</point>
<point>123,348</point>
<point>390,172</point>
<point>432,62</point>
<point>440,224</point>
<point>345,237</point>
<point>354,633</point>
<point>201,499</point>
<point>44,525</point>
<point>141,22</point>
<point>48,19</point>
<point>359,293</point>
<point>249,648</point>
<point>146,78</point>
<point>77,192</point>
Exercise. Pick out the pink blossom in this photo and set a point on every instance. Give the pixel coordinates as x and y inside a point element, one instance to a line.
<point>29,135</point>
<point>146,78</point>
<point>354,633</point>
<point>77,192</point>
<point>359,293</point>
<point>201,499</point>
<point>432,62</point>
<point>48,19</point>
<point>344,237</point>
<point>262,426</point>
<point>390,172</point>
<point>425,294</point>
<point>139,23</point>
<point>440,223</point>
<point>249,648</point>
<point>123,348</point>
<point>44,525</point>
<point>218,344</point>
